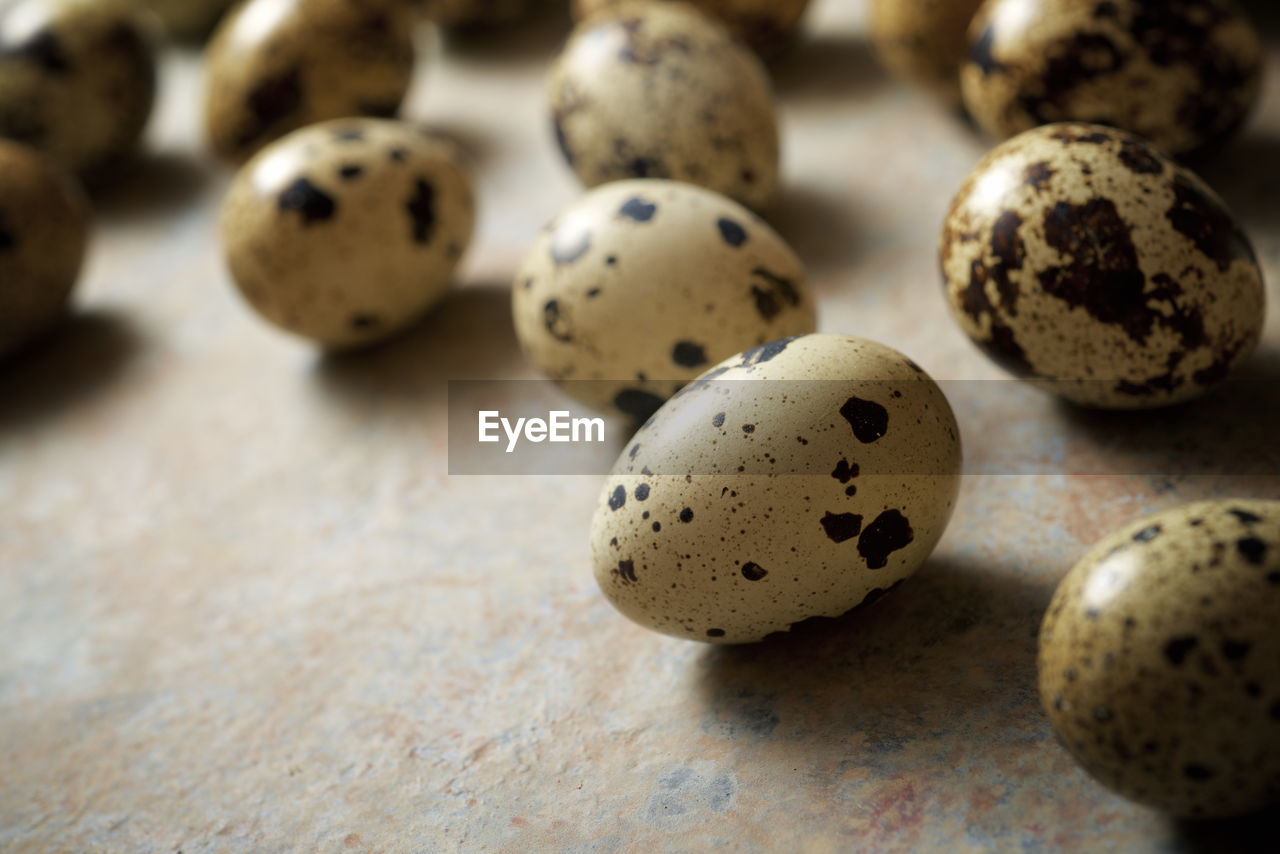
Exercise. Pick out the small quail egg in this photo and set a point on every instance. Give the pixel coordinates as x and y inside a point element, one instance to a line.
<point>188,19</point>
<point>641,285</point>
<point>44,227</point>
<point>473,13</point>
<point>659,90</point>
<point>924,41</point>
<point>795,480</point>
<point>77,78</point>
<point>766,25</point>
<point>1160,659</point>
<point>1182,74</point>
<point>278,65</point>
<point>1080,256</point>
<point>348,231</point>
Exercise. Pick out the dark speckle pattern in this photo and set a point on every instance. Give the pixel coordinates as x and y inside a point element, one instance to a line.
<point>731,232</point>
<point>309,202</point>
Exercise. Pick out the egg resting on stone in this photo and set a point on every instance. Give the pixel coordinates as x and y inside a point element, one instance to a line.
<point>44,224</point>
<point>348,231</point>
<point>766,25</point>
<point>924,41</point>
<point>1160,659</point>
<point>660,90</point>
<point>1080,257</point>
<point>1182,73</point>
<point>278,65</point>
<point>77,78</point>
<point>796,480</point>
<point>188,19</point>
<point>640,286</point>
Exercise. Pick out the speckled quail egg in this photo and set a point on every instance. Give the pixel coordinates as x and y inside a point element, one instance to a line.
<point>1160,659</point>
<point>77,78</point>
<point>188,19</point>
<point>473,13</point>
<point>1081,258</point>
<point>278,65</point>
<point>348,231</point>
<point>640,286</point>
<point>1182,73</point>
<point>766,25</point>
<point>924,41</point>
<point>659,90</point>
<point>792,481</point>
<point>44,226</point>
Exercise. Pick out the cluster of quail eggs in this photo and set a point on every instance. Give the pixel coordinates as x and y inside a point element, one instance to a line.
<point>776,474</point>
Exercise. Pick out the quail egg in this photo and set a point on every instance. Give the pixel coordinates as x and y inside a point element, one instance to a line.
<point>1184,74</point>
<point>659,90</point>
<point>77,78</point>
<point>188,19</point>
<point>278,65</point>
<point>766,25</point>
<point>792,481</point>
<point>348,231</point>
<point>640,286</point>
<point>1080,256</point>
<point>924,41</point>
<point>1160,659</point>
<point>44,227</point>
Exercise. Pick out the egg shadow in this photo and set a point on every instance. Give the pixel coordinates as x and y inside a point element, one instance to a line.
<point>1230,431</point>
<point>1245,174</point>
<point>1244,835</point>
<point>819,225</point>
<point>468,336</point>
<point>827,68</point>
<point>539,34</point>
<point>949,654</point>
<point>149,184</point>
<point>75,360</point>
<point>1265,15</point>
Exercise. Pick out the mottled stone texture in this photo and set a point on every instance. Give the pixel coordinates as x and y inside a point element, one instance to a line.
<point>244,608</point>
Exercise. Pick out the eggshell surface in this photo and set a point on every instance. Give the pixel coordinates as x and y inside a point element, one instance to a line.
<point>348,231</point>
<point>659,90</point>
<point>1159,659</point>
<point>642,285</point>
<point>924,41</point>
<point>1080,257</point>
<point>792,481</point>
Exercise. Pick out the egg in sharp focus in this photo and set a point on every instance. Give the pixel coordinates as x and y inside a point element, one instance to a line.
<point>660,90</point>
<point>1159,662</point>
<point>1182,73</point>
<point>77,78</point>
<point>348,231</point>
<point>277,65</point>
<point>639,286</point>
<point>1080,257</point>
<point>44,232</point>
<point>766,25</point>
<point>795,480</point>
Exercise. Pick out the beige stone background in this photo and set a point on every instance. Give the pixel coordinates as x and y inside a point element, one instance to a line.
<point>244,607</point>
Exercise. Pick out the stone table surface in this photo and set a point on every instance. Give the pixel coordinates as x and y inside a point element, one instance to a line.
<point>243,606</point>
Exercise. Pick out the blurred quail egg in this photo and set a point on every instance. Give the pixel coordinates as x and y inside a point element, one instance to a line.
<point>77,78</point>
<point>1080,256</point>
<point>924,41</point>
<point>188,19</point>
<point>278,65</point>
<point>659,90</point>
<point>766,25</point>
<point>1160,659</point>
<point>792,481</point>
<point>348,231</point>
<point>44,226</point>
<point>1184,74</point>
<point>640,286</point>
